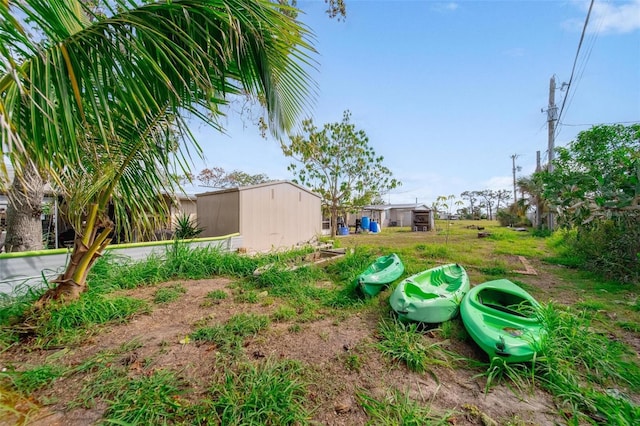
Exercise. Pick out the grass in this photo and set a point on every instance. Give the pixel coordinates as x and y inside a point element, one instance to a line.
<point>588,373</point>
<point>146,400</point>
<point>402,342</point>
<point>67,324</point>
<point>217,295</point>
<point>229,337</point>
<point>29,380</point>
<point>399,409</point>
<point>269,393</point>
<point>583,363</point>
<point>169,294</point>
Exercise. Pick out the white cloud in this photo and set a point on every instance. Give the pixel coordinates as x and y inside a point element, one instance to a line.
<point>499,182</point>
<point>445,7</point>
<point>609,17</point>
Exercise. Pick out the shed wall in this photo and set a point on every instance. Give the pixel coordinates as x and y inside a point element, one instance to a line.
<point>401,217</point>
<point>219,214</point>
<point>278,216</point>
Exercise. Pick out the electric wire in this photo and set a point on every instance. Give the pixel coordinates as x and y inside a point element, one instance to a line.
<point>575,62</point>
<point>581,69</point>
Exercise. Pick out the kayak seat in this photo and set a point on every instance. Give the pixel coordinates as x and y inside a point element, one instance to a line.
<point>504,309</point>
<point>413,290</point>
<point>454,285</point>
<point>507,304</point>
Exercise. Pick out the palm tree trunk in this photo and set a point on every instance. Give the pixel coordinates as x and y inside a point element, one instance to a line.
<point>24,224</point>
<point>87,248</point>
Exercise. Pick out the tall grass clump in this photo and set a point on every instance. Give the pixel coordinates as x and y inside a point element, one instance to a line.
<point>146,400</point>
<point>270,393</point>
<point>297,285</point>
<point>586,369</point>
<point>66,323</point>
<point>184,262</point>
<point>588,373</point>
<point>178,262</point>
<point>399,409</point>
<point>351,265</point>
<point>29,380</point>
<point>403,342</point>
<point>13,309</point>
<point>169,294</point>
<point>229,337</point>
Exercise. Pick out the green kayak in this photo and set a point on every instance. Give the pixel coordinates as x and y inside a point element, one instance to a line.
<point>503,320</point>
<point>381,272</point>
<point>431,296</point>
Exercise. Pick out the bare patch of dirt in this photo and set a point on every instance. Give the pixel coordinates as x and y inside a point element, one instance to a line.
<point>339,354</point>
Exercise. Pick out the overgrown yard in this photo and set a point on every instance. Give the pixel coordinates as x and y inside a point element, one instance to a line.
<point>197,339</point>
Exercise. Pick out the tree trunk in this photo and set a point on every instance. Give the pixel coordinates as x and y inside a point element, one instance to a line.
<point>88,246</point>
<point>24,224</point>
<point>334,221</point>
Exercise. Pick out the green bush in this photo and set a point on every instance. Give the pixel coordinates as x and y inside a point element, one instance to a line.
<point>607,247</point>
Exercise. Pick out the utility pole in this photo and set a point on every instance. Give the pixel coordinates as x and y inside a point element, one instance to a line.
<point>552,116</point>
<point>515,193</point>
<point>538,196</point>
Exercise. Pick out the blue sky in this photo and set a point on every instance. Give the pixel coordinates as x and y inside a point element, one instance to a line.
<point>447,92</point>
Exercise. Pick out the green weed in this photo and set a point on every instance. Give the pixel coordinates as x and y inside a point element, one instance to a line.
<point>217,295</point>
<point>268,394</point>
<point>68,323</point>
<point>353,362</point>
<point>496,270</point>
<point>398,409</point>
<point>29,380</point>
<point>295,328</point>
<point>629,326</point>
<point>284,313</point>
<point>146,400</point>
<point>591,305</point>
<point>246,296</point>
<point>402,342</point>
<point>433,251</point>
<point>229,337</point>
<point>169,294</point>
<point>453,329</point>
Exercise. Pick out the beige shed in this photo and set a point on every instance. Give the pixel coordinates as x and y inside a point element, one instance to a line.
<point>270,216</point>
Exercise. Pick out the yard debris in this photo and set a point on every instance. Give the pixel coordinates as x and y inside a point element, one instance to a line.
<point>528,269</point>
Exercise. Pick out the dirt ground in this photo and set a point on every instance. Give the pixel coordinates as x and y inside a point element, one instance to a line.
<point>322,346</point>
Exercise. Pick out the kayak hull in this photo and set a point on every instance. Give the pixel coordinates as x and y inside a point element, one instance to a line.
<point>503,320</point>
<point>431,296</point>
<point>384,270</point>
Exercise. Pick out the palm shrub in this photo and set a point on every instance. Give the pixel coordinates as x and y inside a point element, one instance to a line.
<point>96,100</point>
<point>186,227</point>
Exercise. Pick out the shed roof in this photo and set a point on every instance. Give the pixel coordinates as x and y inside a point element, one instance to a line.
<point>260,185</point>
<point>384,207</point>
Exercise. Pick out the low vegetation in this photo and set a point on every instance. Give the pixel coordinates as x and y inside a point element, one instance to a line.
<point>304,347</point>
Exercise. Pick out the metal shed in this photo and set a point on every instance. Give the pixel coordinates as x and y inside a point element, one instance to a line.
<point>270,216</point>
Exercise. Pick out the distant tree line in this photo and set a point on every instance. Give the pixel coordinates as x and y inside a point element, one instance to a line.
<point>217,177</point>
<point>483,204</point>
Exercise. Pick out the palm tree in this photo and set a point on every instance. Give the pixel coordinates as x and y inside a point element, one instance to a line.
<point>95,100</point>
<point>531,191</point>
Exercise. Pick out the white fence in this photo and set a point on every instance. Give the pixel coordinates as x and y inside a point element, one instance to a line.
<point>31,269</point>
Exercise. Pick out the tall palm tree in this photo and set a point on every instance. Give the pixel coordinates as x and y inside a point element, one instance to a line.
<point>94,100</point>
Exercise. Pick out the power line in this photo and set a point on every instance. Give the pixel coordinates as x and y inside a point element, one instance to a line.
<point>600,124</point>
<point>575,60</point>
